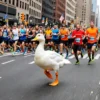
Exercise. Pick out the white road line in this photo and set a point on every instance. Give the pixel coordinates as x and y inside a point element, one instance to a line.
<point>97,56</point>
<point>67,61</point>
<point>31,62</point>
<point>5,55</point>
<point>7,62</point>
<point>16,54</point>
<point>71,57</point>
<point>85,56</point>
<point>79,56</point>
<point>29,55</point>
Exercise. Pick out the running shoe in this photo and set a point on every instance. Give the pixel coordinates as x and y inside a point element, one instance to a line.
<point>77,63</point>
<point>89,62</point>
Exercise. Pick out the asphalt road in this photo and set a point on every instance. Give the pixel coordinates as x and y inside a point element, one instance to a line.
<point>21,79</point>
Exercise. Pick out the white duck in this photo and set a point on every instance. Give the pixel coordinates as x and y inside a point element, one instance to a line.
<point>47,60</point>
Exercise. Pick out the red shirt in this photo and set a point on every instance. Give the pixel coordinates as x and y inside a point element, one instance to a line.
<point>78,40</point>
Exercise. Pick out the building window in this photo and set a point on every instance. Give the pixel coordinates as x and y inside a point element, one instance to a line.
<point>5,0</point>
<point>30,2</point>
<point>13,3</point>
<point>20,4</point>
<point>9,1</point>
<point>17,1</point>
<point>25,6</point>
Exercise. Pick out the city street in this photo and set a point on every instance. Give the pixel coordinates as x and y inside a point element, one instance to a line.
<point>21,79</point>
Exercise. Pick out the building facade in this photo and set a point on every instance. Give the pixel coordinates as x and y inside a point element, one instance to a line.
<point>7,9</point>
<point>47,9</point>
<point>59,9</point>
<point>86,12</point>
<point>70,10</point>
<point>22,6</point>
<point>78,15</point>
<point>32,9</point>
<point>97,16</point>
<point>35,11</point>
<point>94,7</point>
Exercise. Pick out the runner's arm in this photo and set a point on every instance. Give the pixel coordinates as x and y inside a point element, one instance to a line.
<point>98,35</point>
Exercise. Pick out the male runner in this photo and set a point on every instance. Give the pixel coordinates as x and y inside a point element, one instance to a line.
<point>15,38</point>
<point>23,38</point>
<point>1,40</point>
<point>48,35</point>
<point>92,36</point>
<point>78,36</point>
<point>64,33</point>
<point>55,38</point>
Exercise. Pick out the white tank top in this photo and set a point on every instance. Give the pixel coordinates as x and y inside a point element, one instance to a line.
<point>15,34</point>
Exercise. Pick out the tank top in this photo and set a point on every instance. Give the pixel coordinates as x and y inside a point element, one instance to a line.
<point>23,31</point>
<point>15,34</point>
<point>5,33</point>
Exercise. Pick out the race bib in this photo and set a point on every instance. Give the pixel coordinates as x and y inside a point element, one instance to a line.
<point>15,34</point>
<point>63,36</point>
<point>78,40</point>
<point>5,34</point>
<point>54,33</point>
<point>92,38</point>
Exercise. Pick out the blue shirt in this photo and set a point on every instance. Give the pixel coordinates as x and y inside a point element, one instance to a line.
<point>5,33</point>
<point>23,32</point>
<point>55,34</point>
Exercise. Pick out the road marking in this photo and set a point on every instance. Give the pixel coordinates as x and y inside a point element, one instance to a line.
<point>31,62</point>
<point>8,54</point>
<point>7,62</point>
<point>79,56</point>
<point>91,93</point>
<point>71,57</point>
<point>28,55</point>
<point>85,56</point>
<point>97,56</point>
<point>65,55</point>
<point>97,97</point>
<point>99,82</point>
<point>67,61</point>
<point>16,54</point>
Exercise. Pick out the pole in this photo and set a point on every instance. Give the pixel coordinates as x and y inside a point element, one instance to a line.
<point>7,13</point>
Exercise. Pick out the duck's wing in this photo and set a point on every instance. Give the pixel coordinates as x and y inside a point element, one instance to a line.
<point>54,56</point>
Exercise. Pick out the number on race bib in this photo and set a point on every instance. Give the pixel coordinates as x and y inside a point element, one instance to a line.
<point>77,40</point>
<point>92,38</point>
<point>62,36</point>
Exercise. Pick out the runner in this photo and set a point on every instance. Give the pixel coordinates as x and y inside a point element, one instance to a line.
<point>64,33</point>
<point>78,41</point>
<point>6,38</point>
<point>1,40</point>
<point>22,39</point>
<point>92,36</point>
<point>99,38</point>
<point>55,38</point>
<point>15,38</point>
<point>48,35</point>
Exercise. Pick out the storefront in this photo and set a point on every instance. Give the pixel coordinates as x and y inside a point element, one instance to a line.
<point>11,14</point>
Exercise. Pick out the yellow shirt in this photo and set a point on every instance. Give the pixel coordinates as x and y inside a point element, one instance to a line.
<point>48,34</point>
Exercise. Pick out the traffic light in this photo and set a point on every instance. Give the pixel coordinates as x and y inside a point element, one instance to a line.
<point>22,17</point>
